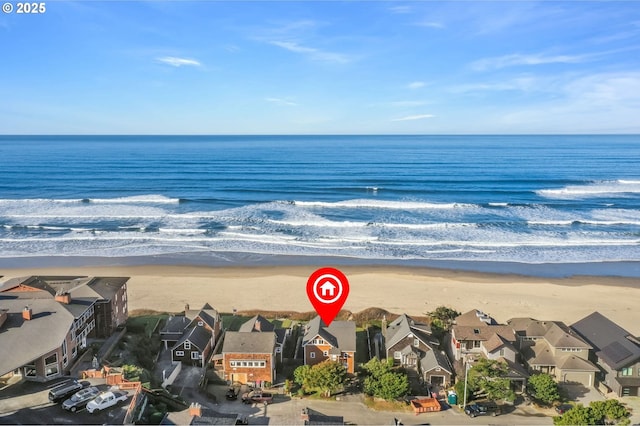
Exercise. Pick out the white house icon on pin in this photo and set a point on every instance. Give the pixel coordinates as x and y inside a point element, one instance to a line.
<point>328,289</point>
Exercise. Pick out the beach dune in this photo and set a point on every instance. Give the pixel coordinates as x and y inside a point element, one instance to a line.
<point>414,291</point>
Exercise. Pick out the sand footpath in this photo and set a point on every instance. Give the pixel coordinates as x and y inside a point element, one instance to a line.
<point>396,289</point>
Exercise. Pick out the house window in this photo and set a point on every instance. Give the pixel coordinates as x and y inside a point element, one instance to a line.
<point>312,355</point>
<point>626,371</point>
<point>416,342</point>
<point>325,353</point>
<point>179,353</point>
<point>501,352</point>
<point>195,355</point>
<point>187,345</point>
<point>476,343</point>
<point>51,370</point>
<point>251,364</point>
<point>30,370</point>
<point>397,355</point>
<point>51,359</point>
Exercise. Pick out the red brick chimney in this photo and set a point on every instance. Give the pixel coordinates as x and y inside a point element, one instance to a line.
<point>27,313</point>
<point>63,297</point>
<point>195,410</point>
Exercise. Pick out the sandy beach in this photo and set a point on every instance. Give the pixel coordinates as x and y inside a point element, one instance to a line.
<point>396,289</point>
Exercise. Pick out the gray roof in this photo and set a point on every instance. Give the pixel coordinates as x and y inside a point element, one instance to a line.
<point>404,325</point>
<point>483,333</point>
<point>474,318</point>
<point>31,339</point>
<point>575,363</point>
<point>175,325</point>
<point>208,417</point>
<point>207,314</point>
<point>555,332</point>
<point>340,334</point>
<point>249,343</point>
<point>198,336</point>
<point>257,323</point>
<point>613,344</point>
<point>435,359</point>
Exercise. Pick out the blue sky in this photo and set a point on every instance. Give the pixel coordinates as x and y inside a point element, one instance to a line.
<point>302,67</point>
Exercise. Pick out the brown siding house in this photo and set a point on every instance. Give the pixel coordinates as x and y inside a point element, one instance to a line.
<point>336,342</point>
<point>249,358</point>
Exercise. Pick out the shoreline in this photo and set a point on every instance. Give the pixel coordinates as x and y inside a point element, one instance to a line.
<point>397,289</point>
<point>622,269</point>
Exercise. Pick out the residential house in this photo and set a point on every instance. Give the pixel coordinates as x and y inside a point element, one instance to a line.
<point>249,358</point>
<point>410,344</point>
<point>436,369</point>
<point>259,324</point>
<point>475,333</point>
<point>46,321</point>
<point>192,337</point>
<point>553,348</point>
<point>615,350</point>
<point>336,342</point>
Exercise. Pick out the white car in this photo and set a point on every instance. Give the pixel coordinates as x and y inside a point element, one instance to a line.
<point>106,400</point>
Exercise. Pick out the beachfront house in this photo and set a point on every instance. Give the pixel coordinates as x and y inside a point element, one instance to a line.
<point>615,350</point>
<point>475,332</point>
<point>410,344</point>
<point>46,321</point>
<point>192,336</point>
<point>553,348</point>
<point>336,342</point>
<point>259,324</point>
<point>249,358</point>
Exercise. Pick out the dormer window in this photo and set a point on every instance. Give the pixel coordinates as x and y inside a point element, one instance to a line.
<point>476,331</point>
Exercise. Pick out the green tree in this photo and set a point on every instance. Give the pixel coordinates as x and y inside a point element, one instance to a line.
<point>610,410</point>
<point>544,388</point>
<point>383,382</point>
<point>326,377</point>
<point>489,377</point>
<point>578,415</point>
<point>443,316</point>
<point>301,374</point>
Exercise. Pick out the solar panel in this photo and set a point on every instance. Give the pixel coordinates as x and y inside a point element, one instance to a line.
<point>616,352</point>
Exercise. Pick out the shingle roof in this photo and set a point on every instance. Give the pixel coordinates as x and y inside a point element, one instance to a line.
<point>207,314</point>
<point>483,332</point>
<point>175,324</point>
<point>340,334</point>
<point>572,362</point>
<point>434,359</point>
<point>613,344</point>
<point>495,342</point>
<point>198,336</point>
<point>257,323</point>
<point>404,325</point>
<point>474,318</point>
<point>249,343</point>
<point>561,336</point>
<point>31,339</point>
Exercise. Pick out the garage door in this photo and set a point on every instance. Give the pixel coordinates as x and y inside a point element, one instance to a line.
<point>239,377</point>
<point>579,377</point>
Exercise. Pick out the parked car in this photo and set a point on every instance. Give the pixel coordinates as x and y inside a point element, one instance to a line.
<point>257,396</point>
<point>232,394</point>
<point>106,400</point>
<point>80,399</point>
<point>563,408</point>
<point>66,389</point>
<point>482,408</point>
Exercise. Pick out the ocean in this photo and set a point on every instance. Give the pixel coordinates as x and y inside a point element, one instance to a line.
<point>418,199</point>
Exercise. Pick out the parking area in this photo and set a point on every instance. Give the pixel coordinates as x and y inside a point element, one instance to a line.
<point>28,403</point>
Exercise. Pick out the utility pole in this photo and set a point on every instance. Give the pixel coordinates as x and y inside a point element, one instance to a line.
<point>466,375</point>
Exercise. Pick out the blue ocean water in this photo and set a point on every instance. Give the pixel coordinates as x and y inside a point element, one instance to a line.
<point>530,199</point>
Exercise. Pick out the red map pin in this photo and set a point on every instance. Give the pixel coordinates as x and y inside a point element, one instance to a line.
<point>327,289</point>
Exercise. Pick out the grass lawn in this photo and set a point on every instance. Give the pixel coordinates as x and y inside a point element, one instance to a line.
<point>145,323</point>
<point>232,322</point>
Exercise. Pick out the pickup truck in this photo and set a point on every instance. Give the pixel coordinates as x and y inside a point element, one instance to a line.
<point>257,396</point>
<point>106,400</point>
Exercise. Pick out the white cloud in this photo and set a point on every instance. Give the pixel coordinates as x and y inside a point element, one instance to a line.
<point>280,101</point>
<point>401,9</point>
<point>430,24</point>
<point>416,85</point>
<point>178,62</point>
<point>518,59</point>
<point>313,53</point>
<point>414,117</point>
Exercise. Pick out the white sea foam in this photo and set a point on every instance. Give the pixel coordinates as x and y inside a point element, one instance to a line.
<point>137,199</point>
<point>595,189</point>
<point>381,204</point>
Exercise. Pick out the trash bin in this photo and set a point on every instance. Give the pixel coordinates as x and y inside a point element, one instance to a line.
<point>452,398</point>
